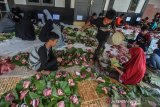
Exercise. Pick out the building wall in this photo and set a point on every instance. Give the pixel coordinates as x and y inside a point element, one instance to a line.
<point>152,8</point>
<point>72,3</point>
<point>60,8</point>
<point>59,3</point>
<point>140,6</point>
<point>121,5</point>
<point>106,5</point>
<point>23,2</point>
<point>155,2</point>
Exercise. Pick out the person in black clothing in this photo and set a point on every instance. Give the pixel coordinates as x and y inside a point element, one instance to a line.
<point>157,17</point>
<point>91,18</point>
<point>89,21</point>
<point>7,23</point>
<point>42,58</point>
<point>47,28</point>
<point>143,39</point>
<point>100,15</point>
<point>104,25</point>
<point>24,28</point>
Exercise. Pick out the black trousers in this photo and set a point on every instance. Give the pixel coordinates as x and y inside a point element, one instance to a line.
<point>51,66</point>
<point>100,47</point>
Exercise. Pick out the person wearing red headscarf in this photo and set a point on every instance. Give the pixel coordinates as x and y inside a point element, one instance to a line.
<point>135,68</point>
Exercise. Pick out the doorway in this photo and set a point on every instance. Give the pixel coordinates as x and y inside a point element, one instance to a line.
<point>84,8</point>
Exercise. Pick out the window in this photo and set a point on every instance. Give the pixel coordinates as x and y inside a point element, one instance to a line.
<point>41,2</point>
<point>56,3</point>
<point>59,3</point>
<point>33,1</point>
<point>48,1</point>
<point>133,5</point>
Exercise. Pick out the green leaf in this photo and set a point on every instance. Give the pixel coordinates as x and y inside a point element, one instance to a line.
<point>65,87</point>
<point>15,94</point>
<point>41,105</point>
<point>27,100</point>
<point>116,95</point>
<point>40,85</point>
<point>45,102</point>
<point>52,104</point>
<point>33,95</point>
<point>99,90</point>
<point>19,86</point>
<point>83,69</point>
<point>132,95</point>
<point>49,84</point>
<point>3,103</point>
<point>54,92</point>
<point>115,62</point>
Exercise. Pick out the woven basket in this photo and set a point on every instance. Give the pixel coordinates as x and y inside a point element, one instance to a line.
<point>116,39</point>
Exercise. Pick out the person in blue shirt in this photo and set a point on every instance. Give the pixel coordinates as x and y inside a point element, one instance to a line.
<point>155,58</point>
<point>154,25</point>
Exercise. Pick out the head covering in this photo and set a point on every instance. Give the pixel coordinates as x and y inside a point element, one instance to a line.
<point>135,68</point>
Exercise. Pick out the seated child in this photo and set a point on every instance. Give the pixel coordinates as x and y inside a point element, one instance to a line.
<point>155,58</point>
<point>42,58</point>
<point>154,25</point>
<point>89,21</point>
<point>144,22</point>
<point>143,39</point>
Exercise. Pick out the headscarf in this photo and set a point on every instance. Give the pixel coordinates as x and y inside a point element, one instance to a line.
<point>135,68</point>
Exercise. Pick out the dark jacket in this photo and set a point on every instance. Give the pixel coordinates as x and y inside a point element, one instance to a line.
<point>24,29</point>
<point>47,59</point>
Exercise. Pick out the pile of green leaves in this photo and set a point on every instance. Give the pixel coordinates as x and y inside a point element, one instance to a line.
<point>21,59</point>
<point>6,36</point>
<point>38,83</point>
<point>141,95</point>
<point>153,79</point>
<point>85,73</point>
<point>74,56</point>
<point>75,35</point>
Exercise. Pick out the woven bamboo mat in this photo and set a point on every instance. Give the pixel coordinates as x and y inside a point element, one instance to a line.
<point>86,88</point>
<point>6,84</point>
<point>89,96</point>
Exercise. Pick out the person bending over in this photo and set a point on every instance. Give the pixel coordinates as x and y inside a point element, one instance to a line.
<point>42,58</point>
<point>104,26</point>
<point>134,70</point>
